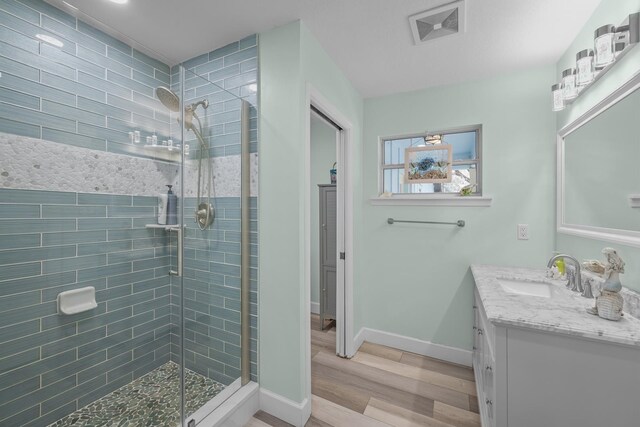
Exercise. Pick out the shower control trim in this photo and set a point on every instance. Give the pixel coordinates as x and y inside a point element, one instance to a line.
<point>204,215</point>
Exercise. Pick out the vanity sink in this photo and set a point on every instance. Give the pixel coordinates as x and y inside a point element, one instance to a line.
<point>535,346</point>
<point>525,287</point>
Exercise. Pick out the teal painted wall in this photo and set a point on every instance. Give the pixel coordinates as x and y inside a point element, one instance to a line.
<point>417,280</point>
<point>321,72</point>
<point>281,163</point>
<point>609,11</point>
<point>290,59</point>
<point>323,155</point>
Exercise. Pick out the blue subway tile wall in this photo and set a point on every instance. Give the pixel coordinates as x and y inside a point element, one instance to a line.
<point>212,293</point>
<point>224,77</point>
<point>90,93</point>
<point>52,364</point>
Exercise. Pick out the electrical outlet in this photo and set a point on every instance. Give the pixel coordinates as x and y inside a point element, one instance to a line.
<point>523,231</point>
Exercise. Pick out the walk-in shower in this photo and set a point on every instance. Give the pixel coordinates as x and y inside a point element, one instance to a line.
<point>172,331</point>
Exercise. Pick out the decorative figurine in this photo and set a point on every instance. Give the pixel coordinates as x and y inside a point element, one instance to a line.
<point>612,270</point>
<point>593,266</point>
<point>609,304</point>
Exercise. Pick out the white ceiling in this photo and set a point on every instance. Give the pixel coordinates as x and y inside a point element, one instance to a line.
<point>370,40</point>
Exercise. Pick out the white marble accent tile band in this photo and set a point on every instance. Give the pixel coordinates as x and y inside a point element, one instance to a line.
<point>35,164</point>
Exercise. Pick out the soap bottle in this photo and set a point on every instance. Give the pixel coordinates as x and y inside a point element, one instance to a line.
<point>172,207</point>
<point>561,266</point>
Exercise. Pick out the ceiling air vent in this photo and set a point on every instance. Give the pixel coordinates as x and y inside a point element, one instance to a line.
<point>439,22</point>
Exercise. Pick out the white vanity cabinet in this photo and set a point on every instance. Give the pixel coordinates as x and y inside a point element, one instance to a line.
<point>485,368</point>
<point>528,377</point>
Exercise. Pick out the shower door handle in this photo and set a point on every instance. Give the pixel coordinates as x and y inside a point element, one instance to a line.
<point>180,251</point>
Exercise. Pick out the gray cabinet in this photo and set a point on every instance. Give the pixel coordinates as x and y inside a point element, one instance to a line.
<point>328,252</point>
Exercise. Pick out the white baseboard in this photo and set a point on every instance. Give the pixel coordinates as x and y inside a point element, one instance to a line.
<point>237,410</point>
<point>413,345</point>
<point>315,307</point>
<point>359,339</point>
<point>287,410</point>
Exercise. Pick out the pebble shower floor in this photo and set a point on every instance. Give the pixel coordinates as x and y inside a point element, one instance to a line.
<point>152,400</point>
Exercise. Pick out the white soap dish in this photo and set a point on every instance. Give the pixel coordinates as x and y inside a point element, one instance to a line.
<point>77,300</point>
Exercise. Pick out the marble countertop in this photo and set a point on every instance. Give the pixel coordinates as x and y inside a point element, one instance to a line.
<point>564,313</point>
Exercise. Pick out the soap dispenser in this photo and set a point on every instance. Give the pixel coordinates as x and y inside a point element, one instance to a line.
<point>172,207</point>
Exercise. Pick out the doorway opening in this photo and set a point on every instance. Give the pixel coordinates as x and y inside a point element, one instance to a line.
<point>325,138</point>
<point>329,224</point>
<point>325,156</point>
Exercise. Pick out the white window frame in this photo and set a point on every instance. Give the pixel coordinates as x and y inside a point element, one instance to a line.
<point>434,199</point>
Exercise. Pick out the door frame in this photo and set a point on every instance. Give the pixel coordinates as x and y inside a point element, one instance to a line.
<point>344,198</point>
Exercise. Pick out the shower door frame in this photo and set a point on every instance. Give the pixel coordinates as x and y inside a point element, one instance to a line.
<point>208,411</point>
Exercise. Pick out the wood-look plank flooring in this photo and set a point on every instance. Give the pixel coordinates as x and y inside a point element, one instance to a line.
<point>383,386</point>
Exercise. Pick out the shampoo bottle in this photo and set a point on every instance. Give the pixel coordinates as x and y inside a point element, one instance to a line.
<point>172,207</point>
<point>163,199</point>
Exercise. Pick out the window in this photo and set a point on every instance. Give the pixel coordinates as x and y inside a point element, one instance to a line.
<point>466,147</point>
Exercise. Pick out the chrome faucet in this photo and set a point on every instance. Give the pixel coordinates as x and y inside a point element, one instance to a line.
<point>574,278</point>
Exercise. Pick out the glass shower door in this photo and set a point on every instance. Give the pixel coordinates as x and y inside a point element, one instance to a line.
<point>214,292</point>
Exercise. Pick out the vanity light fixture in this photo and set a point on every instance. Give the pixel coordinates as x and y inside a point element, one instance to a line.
<point>569,86</point>
<point>49,40</point>
<point>604,43</point>
<point>558,99</point>
<point>610,44</point>
<point>584,65</point>
<point>119,1</point>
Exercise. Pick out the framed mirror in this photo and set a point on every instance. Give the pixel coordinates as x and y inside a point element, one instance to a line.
<point>599,170</point>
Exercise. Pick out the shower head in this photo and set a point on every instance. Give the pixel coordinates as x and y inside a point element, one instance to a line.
<point>168,98</point>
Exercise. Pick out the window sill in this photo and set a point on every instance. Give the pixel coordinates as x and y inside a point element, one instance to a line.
<point>432,200</point>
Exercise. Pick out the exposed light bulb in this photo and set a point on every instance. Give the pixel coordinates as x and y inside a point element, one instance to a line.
<point>558,99</point>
